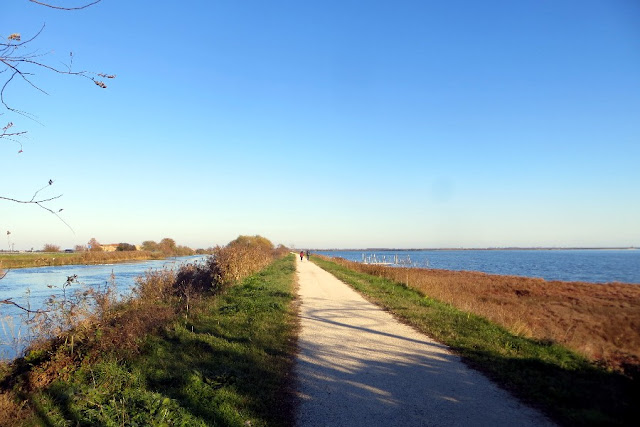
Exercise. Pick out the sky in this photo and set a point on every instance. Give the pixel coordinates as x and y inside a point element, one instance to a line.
<point>328,124</point>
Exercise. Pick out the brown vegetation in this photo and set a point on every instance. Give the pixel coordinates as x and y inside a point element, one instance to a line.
<point>167,246</point>
<point>96,255</point>
<point>599,321</point>
<point>79,328</point>
<point>242,257</point>
<point>49,247</point>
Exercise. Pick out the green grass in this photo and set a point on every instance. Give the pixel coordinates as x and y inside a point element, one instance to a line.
<point>560,382</point>
<point>227,364</point>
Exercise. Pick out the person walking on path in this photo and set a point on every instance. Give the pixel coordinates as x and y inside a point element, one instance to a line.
<point>358,366</point>
<point>307,254</point>
<point>301,255</point>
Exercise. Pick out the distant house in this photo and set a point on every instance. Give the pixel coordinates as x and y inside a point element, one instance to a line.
<point>111,247</point>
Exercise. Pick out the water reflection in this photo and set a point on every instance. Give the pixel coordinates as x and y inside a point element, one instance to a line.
<point>31,287</point>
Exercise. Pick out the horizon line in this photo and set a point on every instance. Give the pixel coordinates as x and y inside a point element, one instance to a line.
<point>485,248</point>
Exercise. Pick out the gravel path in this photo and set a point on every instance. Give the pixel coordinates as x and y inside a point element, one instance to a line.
<point>358,366</point>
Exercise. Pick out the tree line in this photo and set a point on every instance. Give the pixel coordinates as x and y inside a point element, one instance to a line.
<point>166,246</point>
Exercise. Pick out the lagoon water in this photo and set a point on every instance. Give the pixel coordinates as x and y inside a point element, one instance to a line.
<point>33,286</point>
<point>586,265</point>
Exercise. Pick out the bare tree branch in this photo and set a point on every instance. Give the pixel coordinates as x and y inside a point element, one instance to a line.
<point>17,62</point>
<point>25,309</point>
<point>11,136</point>
<point>64,8</point>
<point>9,199</point>
<point>40,202</point>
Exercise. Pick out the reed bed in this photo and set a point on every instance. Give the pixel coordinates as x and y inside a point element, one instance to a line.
<point>599,321</point>
<point>39,259</point>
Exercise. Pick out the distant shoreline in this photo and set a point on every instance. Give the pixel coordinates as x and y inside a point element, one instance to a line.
<point>478,249</point>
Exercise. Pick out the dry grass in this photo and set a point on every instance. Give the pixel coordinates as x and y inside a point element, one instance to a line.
<point>80,327</point>
<point>12,413</point>
<point>601,322</point>
<point>38,259</point>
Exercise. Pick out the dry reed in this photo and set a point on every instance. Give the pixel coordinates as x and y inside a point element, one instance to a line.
<point>600,321</point>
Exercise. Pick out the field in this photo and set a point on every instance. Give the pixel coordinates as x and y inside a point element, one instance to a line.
<point>41,259</point>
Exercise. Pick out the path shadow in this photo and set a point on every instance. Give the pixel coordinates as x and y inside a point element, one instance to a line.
<point>352,380</point>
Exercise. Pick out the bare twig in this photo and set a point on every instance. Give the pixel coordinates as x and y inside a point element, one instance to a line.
<point>25,309</point>
<point>40,202</point>
<point>17,64</point>
<point>64,8</point>
<point>11,136</point>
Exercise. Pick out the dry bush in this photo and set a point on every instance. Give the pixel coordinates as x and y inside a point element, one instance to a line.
<point>80,326</point>
<point>281,251</point>
<point>155,286</point>
<point>70,317</point>
<point>125,330</point>
<point>599,321</point>
<point>196,278</point>
<point>50,247</point>
<point>241,258</point>
<point>12,413</point>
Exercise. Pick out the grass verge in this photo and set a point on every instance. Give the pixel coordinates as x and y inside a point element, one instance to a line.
<point>226,363</point>
<point>569,388</point>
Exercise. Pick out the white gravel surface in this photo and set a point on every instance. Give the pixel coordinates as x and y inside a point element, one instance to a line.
<point>358,366</point>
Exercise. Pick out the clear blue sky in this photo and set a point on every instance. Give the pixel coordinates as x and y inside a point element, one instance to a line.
<point>332,124</point>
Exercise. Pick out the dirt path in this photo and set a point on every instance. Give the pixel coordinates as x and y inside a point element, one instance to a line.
<point>358,366</point>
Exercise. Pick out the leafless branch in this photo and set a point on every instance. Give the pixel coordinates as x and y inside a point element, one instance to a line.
<point>11,136</point>
<point>18,64</point>
<point>62,7</point>
<point>35,202</point>
<point>40,202</point>
<point>25,309</point>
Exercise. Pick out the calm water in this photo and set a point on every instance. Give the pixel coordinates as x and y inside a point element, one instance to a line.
<point>32,287</point>
<point>587,265</point>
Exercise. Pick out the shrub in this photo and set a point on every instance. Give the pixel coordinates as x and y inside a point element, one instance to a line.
<point>241,258</point>
<point>196,278</point>
<point>94,245</point>
<point>125,247</point>
<point>155,286</point>
<point>150,245</point>
<point>49,247</point>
